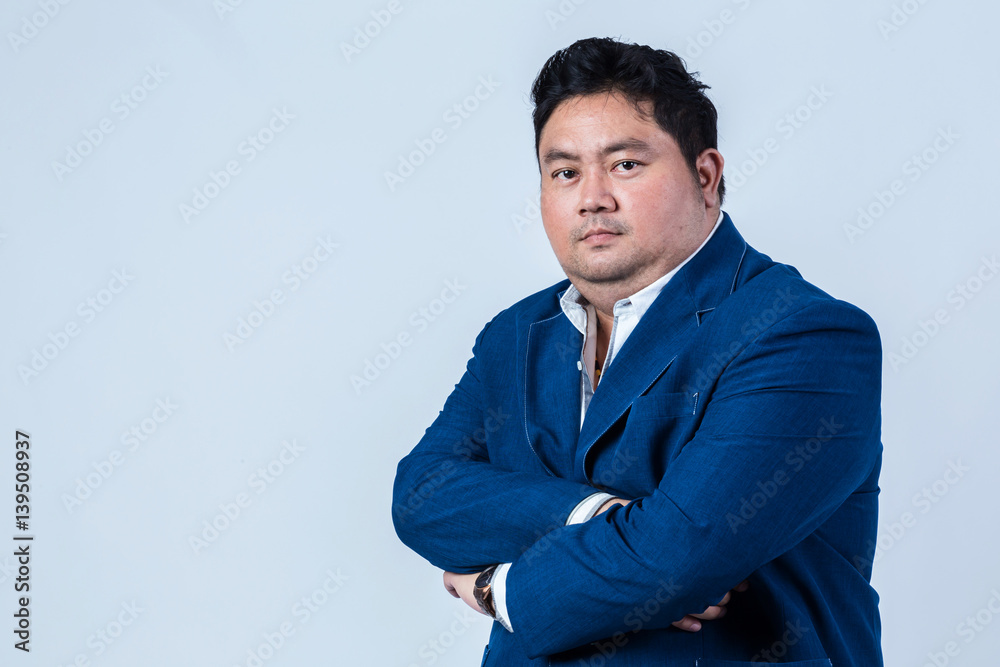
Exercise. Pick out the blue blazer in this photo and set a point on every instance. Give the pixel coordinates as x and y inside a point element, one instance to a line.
<point>742,418</point>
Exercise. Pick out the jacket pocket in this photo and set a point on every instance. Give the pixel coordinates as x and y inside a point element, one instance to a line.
<point>663,405</point>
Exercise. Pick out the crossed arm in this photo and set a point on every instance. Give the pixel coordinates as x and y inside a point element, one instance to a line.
<point>462,586</point>
<point>819,365</point>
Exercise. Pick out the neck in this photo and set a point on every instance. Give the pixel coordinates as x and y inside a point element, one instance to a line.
<point>604,296</point>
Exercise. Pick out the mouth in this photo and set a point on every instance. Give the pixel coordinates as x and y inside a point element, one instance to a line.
<point>598,236</point>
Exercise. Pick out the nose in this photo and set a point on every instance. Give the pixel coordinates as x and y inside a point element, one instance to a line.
<point>595,194</point>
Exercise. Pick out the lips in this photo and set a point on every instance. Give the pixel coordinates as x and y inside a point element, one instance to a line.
<point>598,236</point>
<point>599,230</point>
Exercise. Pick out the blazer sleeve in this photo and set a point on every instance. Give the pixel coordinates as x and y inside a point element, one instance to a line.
<point>455,508</point>
<point>798,408</point>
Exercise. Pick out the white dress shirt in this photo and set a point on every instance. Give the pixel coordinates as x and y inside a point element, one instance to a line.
<point>627,313</point>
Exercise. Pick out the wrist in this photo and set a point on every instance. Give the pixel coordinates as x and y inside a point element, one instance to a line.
<point>611,502</point>
<point>483,591</point>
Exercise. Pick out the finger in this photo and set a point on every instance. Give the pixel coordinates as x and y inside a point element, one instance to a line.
<point>711,613</point>
<point>448,585</point>
<point>723,601</point>
<point>688,624</point>
<point>742,586</point>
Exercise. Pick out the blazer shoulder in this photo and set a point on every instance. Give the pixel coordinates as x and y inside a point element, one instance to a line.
<point>781,287</point>
<point>538,306</point>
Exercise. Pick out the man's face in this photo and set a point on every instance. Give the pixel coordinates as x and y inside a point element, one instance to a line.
<point>619,203</point>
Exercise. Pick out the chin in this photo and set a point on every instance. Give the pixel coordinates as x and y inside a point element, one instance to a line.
<point>599,275</point>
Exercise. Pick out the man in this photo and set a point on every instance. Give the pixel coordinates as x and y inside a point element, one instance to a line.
<point>682,414</point>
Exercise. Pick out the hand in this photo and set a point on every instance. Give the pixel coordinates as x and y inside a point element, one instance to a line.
<point>462,586</point>
<point>691,622</point>
<point>609,503</point>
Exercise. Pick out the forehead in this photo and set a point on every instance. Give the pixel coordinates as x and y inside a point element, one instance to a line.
<point>586,123</point>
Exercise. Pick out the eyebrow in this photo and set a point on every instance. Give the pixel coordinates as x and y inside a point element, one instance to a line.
<point>632,144</point>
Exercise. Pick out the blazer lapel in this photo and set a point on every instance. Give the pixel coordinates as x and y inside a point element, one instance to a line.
<point>647,353</point>
<point>552,392</point>
<point>673,317</point>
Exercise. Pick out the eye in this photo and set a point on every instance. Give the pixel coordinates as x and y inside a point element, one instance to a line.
<point>628,165</point>
<point>570,173</point>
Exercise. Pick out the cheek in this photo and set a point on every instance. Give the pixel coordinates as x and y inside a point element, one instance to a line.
<point>548,224</point>
<point>655,221</point>
<point>557,237</point>
<point>555,220</point>
<point>551,205</point>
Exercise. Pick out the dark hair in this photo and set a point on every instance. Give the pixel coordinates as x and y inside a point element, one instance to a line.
<point>641,74</point>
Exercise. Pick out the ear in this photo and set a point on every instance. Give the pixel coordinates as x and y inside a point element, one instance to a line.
<point>708,166</point>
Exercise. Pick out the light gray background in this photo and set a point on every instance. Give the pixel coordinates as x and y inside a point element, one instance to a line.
<point>465,215</point>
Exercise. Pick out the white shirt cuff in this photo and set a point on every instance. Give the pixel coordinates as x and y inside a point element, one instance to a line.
<point>499,588</point>
<point>588,507</point>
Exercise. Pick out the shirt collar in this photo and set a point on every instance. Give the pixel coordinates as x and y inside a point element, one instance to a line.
<point>574,304</point>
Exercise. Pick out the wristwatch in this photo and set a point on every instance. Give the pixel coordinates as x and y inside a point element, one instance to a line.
<point>483,592</point>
